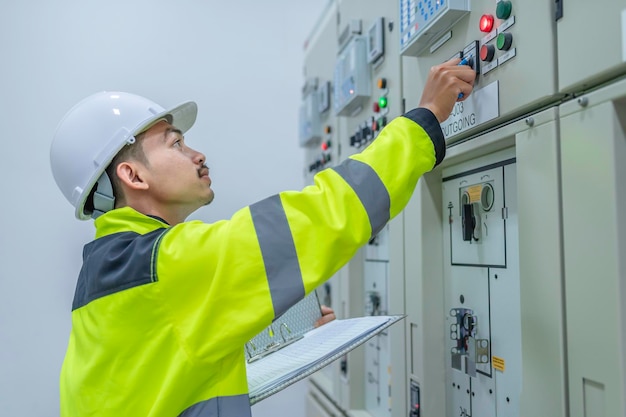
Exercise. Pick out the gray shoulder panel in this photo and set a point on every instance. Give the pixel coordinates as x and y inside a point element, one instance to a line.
<point>115,263</point>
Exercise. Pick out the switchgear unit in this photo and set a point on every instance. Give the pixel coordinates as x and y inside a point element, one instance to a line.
<point>481,284</point>
<point>373,383</point>
<point>369,381</point>
<point>317,119</point>
<point>378,349</point>
<point>321,153</point>
<point>507,259</point>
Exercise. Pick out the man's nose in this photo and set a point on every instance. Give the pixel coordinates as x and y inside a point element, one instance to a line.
<point>198,157</point>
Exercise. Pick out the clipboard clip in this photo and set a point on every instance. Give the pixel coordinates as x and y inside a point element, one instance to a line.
<point>272,347</point>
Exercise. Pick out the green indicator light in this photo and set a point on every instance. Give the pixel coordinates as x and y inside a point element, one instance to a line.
<point>382,102</point>
<point>504,41</point>
<point>503,9</point>
<point>500,41</point>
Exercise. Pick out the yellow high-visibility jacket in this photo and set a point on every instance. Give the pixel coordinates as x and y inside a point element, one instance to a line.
<point>161,313</point>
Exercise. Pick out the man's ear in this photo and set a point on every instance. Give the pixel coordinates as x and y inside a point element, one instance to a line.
<point>130,175</point>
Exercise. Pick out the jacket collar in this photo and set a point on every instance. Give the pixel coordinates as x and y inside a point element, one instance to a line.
<point>127,219</point>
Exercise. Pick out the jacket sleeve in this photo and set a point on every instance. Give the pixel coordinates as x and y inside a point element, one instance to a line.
<point>225,282</point>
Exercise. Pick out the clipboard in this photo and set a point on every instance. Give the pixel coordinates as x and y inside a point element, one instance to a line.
<point>286,329</point>
<point>316,348</point>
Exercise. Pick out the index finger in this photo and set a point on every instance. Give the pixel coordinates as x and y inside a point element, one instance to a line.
<point>453,61</point>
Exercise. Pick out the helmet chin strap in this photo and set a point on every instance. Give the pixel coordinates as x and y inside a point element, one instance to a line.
<point>103,199</point>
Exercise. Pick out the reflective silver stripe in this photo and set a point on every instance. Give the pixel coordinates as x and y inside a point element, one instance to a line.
<point>370,189</point>
<point>235,406</point>
<point>279,253</point>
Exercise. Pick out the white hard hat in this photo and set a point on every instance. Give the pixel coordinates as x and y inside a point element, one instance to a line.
<point>93,132</point>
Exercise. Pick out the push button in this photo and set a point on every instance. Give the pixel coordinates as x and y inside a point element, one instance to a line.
<point>503,9</point>
<point>504,41</point>
<point>487,52</point>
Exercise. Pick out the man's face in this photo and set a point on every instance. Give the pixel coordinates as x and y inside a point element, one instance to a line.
<point>176,174</point>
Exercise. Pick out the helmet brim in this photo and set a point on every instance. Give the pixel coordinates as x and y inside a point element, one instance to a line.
<point>182,117</point>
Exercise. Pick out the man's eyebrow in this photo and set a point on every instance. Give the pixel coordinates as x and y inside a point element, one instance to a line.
<point>172,130</point>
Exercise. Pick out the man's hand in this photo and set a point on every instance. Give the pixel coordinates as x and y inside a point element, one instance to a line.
<point>444,85</point>
<point>328,315</point>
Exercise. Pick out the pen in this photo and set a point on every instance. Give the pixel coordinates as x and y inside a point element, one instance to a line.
<point>464,61</point>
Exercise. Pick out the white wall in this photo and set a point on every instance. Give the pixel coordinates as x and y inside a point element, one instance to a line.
<point>240,60</point>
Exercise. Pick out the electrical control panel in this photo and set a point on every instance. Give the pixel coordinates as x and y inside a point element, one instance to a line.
<point>510,44</point>
<point>500,250</point>
<point>322,147</point>
<point>372,379</point>
<point>384,102</point>
<point>481,284</point>
<point>490,259</point>
<point>321,153</point>
<point>377,349</point>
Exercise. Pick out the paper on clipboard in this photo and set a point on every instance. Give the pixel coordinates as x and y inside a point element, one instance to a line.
<point>316,349</point>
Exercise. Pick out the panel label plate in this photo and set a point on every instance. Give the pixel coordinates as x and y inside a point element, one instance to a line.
<point>481,106</point>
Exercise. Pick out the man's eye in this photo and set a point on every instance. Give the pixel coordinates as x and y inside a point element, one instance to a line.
<point>178,143</point>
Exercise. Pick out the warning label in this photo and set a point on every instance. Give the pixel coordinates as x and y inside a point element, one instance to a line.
<point>498,363</point>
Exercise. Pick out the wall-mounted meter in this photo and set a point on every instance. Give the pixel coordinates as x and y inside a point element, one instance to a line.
<point>375,40</point>
<point>310,128</point>
<point>423,22</point>
<point>351,88</point>
<point>323,93</point>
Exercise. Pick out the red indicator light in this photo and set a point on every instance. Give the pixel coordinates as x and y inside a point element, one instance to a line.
<point>486,23</point>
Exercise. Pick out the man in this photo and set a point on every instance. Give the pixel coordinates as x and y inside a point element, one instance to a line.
<point>163,306</point>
